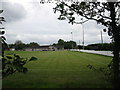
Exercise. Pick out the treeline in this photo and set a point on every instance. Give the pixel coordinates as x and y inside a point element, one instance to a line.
<point>66,44</point>
<point>100,46</point>
<point>19,45</point>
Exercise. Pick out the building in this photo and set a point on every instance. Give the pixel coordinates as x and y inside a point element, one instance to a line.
<point>12,49</point>
<point>44,48</point>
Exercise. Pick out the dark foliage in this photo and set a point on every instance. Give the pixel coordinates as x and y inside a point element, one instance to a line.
<point>100,46</point>
<point>20,46</point>
<point>106,71</point>
<point>33,45</point>
<point>66,44</point>
<point>12,63</point>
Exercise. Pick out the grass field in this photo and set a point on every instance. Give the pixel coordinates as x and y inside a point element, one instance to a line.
<point>59,69</point>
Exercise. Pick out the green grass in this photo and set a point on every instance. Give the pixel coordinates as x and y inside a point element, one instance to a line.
<point>59,69</point>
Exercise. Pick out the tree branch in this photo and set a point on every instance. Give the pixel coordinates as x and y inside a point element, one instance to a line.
<point>80,22</point>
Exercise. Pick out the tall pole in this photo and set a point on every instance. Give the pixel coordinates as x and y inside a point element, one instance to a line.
<point>79,42</point>
<point>101,37</point>
<point>72,35</point>
<point>72,38</point>
<point>83,32</point>
<point>79,45</point>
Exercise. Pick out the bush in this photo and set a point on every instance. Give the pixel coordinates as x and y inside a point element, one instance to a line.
<point>14,63</point>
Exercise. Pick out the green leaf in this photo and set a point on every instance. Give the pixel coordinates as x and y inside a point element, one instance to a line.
<point>104,30</point>
<point>63,18</point>
<point>61,6</point>
<point>72,5</point>
<point>3,38</point>
<point>1,11</point>
<point>0,57</point>
<point>3,32</point>
<point>32,59</point>
<point>2,19</point>
<point>80,13</point>
<point>71,13</point>
<point>17,56</point>
<point>9,57</point>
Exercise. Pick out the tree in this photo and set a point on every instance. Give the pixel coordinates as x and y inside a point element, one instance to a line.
<point>105,13</point>
<point>70,45</point>
<point>18,42</point>
<point>66,44</point>
<point>33,45</point>
<point>61,42</point>
<point>73,43</point>
<point>11,45</point>
<point>19,45</point>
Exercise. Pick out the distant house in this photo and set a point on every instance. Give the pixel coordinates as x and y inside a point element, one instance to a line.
<point>12,49</point>
<point>59,47</point>
<point>44,48</point>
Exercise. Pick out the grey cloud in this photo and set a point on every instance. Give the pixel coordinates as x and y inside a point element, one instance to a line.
<point>13,11</point>
<point>41,25</point>
<point>39,38</point>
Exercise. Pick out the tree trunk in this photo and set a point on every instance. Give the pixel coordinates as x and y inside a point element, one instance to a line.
<point>116,50</point>
<point>116,78</point>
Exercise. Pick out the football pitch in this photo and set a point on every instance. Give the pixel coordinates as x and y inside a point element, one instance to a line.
<point>59,69</point>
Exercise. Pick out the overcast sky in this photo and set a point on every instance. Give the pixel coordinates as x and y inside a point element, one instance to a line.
<point>30,21</point>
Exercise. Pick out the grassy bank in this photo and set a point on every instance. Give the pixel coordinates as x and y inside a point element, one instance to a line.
<point>59,69</point>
